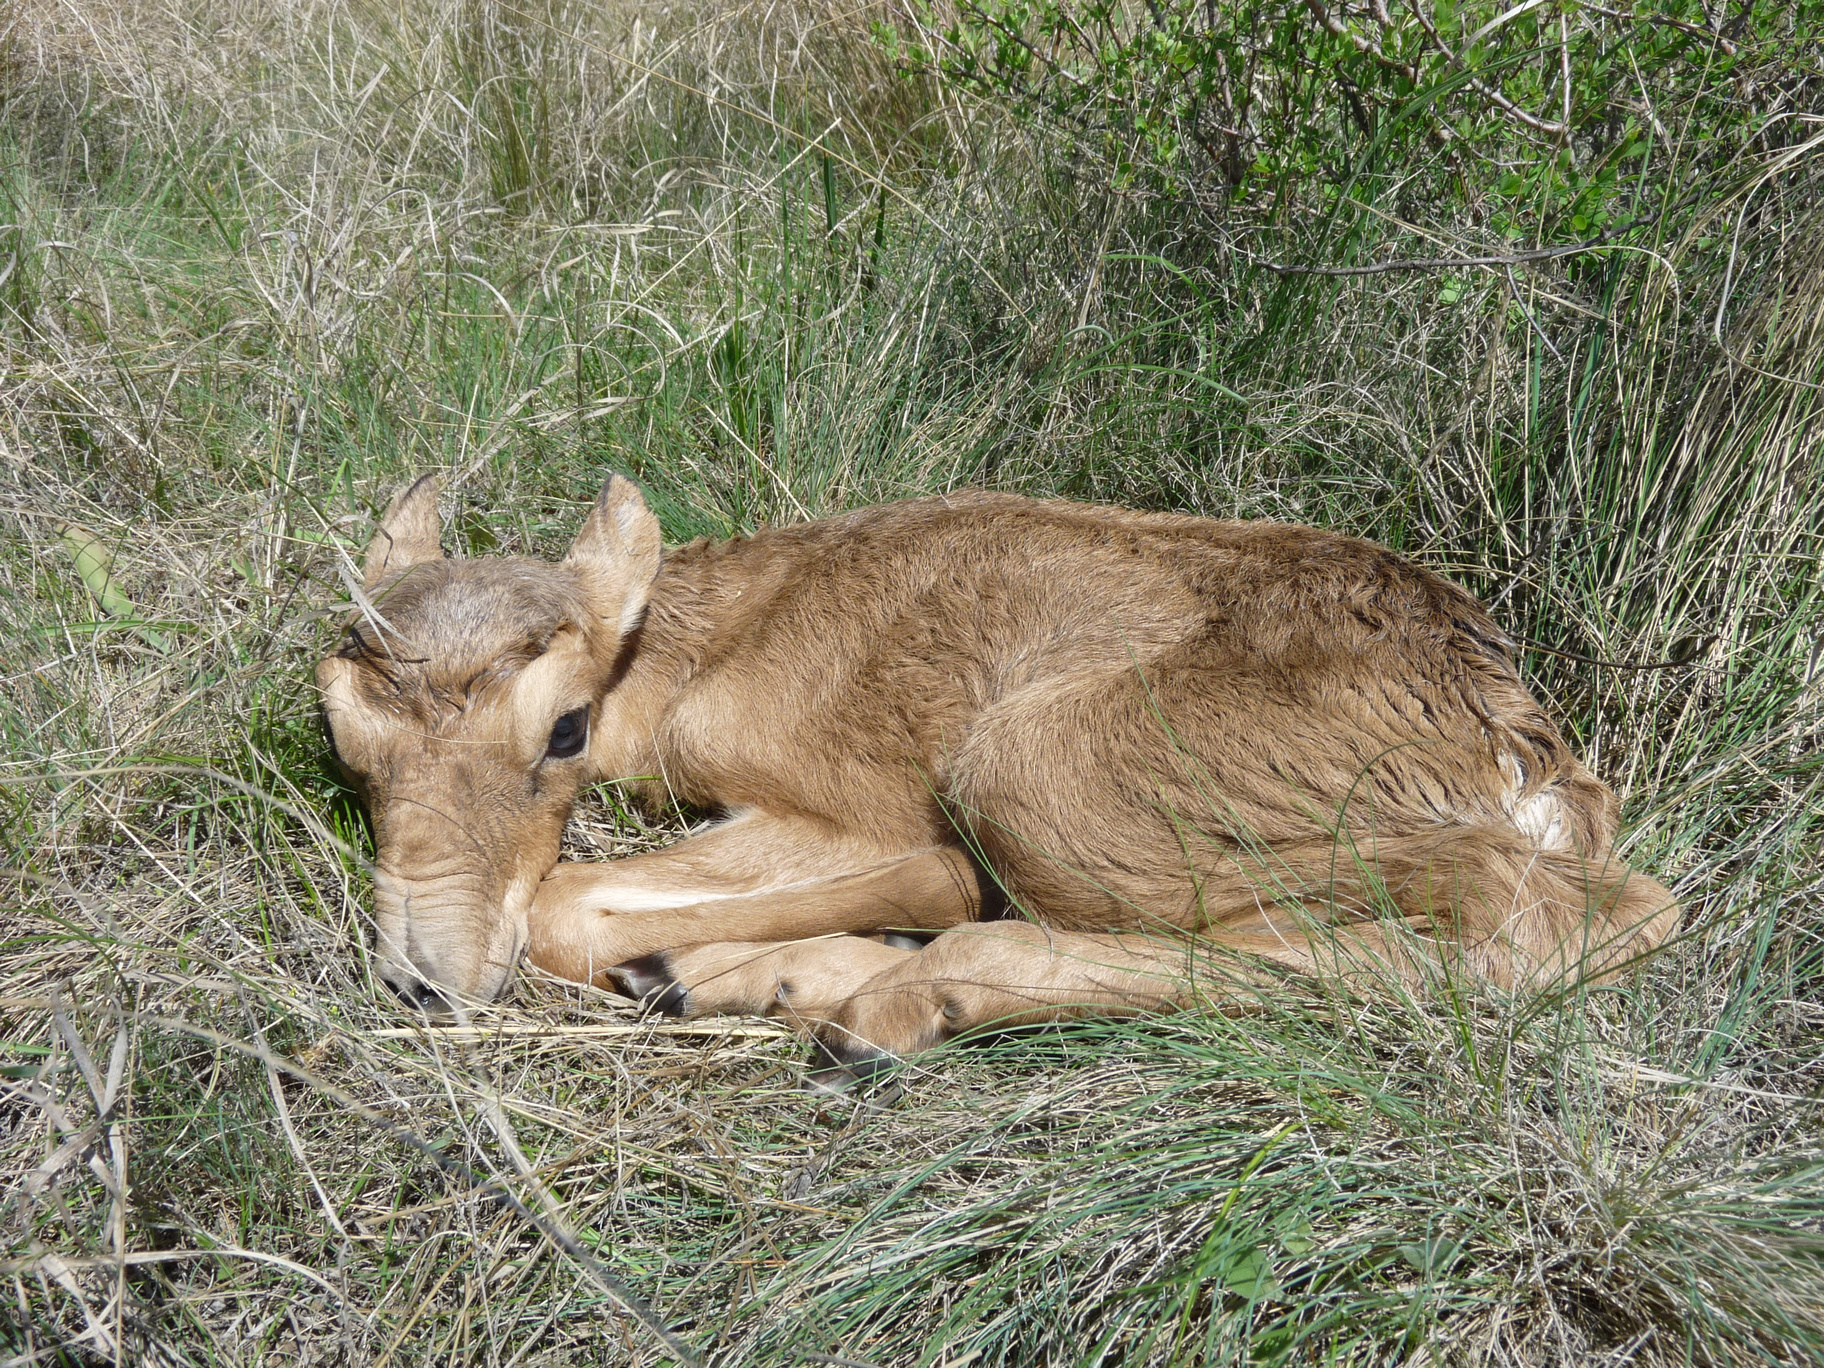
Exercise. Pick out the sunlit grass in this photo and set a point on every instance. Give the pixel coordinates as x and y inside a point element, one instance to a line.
<point>262,262</point>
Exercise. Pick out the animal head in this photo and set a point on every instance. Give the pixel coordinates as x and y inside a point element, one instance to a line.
<point>460,704</point>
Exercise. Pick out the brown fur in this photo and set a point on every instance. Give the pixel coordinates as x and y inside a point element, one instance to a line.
<point>920,715</point>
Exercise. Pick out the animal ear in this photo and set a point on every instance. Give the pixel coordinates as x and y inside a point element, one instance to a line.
<point>407,534</point>
<point>618,553</point>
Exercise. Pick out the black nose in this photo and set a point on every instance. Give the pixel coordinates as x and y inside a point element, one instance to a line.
<point>417,994</point>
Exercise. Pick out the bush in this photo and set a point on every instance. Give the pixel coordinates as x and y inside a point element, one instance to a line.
<point>1542,121</point>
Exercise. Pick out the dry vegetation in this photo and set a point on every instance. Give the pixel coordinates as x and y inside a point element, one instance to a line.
<point>259,261</point>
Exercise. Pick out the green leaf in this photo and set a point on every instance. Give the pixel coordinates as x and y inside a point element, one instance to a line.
<point>1294,1232</point>
<point>1250,1274</point>
<point>1435,1255</point>
<point>95,567</point>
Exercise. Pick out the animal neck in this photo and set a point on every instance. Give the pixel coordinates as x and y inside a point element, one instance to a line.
<point>702,593</point>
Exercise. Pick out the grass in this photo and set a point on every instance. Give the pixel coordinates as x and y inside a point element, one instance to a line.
<point>258,263</point>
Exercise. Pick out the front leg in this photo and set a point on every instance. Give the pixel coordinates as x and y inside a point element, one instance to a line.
<point>587,919</point>
<point>749,853</point>
<point>804,982</point>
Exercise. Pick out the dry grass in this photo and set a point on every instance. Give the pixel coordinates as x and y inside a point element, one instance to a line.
<point>261,261</point>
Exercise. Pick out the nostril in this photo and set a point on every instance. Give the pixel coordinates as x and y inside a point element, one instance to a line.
<point>416,994</point>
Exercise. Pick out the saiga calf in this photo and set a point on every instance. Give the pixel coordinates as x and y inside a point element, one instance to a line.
<point>1063,736</point>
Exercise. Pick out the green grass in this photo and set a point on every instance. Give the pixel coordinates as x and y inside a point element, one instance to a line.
<point>262,262</point>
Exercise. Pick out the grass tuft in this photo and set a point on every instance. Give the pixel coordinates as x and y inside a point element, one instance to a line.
<point>260,262</point>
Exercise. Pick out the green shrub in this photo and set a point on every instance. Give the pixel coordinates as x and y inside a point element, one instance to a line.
<point>1543,120</point>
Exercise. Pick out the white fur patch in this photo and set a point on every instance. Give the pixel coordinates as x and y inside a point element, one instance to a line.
<point>632,898</point>
<point>653,899</point>
<point>1541,818</point>
<point>630,610</point>
<point>626,517</point>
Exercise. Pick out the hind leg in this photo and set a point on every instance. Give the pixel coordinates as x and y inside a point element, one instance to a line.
<point>986,972</point>
<point>1417,910</point>
<point>1207,793</point>
<point>1135,798</point>
<point>1013,973</point>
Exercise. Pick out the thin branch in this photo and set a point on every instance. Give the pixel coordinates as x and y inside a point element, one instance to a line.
<point>1665,21</point>
<point>1444,263</point>
<point>1362,45</point>
<point>1487,92</point>
<point>1513,287</point>
<point>1689,663</point>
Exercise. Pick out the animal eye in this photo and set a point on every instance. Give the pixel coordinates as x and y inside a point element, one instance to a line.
<point>568,736</point>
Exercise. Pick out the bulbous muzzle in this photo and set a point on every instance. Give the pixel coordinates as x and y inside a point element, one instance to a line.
<point>446,938</point>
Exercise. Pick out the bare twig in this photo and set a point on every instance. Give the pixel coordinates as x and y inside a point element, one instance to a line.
<point>1361,44</point>
<point>1664,21</point>
<point>1555,129</point>
<point>1447,263</point>
<point>1689,663</point>
<point>1513,287</point>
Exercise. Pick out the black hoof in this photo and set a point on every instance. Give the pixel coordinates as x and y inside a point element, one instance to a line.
<point>860,1060</point>
<point>831,1082</point>
<point>648,981</point>
<point>845,1085</point>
